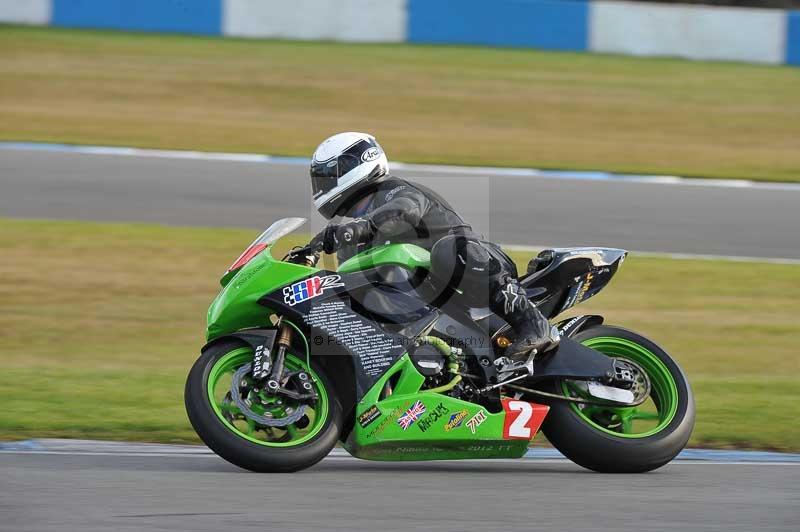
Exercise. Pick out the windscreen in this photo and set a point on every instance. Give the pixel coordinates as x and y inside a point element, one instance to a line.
<point>273,233</point>
<point>278,230</point>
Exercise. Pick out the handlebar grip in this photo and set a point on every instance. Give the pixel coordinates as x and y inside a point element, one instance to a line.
<point>317,242</point>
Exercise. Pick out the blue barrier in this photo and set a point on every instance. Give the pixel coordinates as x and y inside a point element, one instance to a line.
<point>179,16</point>
<point>549,24</point>
<point>546,24</point>
<point>793,38</point>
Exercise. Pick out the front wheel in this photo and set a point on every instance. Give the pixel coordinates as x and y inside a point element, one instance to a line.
<point>256,430</point>
<point>624,439</point>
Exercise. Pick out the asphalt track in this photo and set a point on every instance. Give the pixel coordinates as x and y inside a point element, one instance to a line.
<point>522,210</point>
<point>199,492</point>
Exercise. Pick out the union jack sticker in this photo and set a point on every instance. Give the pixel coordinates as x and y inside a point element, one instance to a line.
<point>309,288</point>
<point>411,415</point>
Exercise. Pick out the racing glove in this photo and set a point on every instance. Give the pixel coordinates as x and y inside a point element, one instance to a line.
<point>336,235</point>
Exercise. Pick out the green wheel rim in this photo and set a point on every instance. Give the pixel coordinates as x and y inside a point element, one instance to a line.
<point>219,382</point>
<point>626,422</point>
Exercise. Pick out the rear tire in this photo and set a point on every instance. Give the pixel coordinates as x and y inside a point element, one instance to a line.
<point>599,449</point>
<point>238,450</point>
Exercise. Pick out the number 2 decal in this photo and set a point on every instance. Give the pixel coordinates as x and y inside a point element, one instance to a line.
<point>523,419</point>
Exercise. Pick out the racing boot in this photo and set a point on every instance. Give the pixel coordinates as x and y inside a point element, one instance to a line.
<point>532,331</point>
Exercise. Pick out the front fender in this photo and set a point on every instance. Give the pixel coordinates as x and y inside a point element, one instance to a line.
<point>255,338</point>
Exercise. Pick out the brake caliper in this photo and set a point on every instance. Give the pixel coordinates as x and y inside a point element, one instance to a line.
<point>245,396</point>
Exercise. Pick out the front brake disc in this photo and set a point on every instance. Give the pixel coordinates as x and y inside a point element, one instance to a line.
<point>245,409</point>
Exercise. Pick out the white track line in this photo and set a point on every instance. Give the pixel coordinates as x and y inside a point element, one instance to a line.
<point>742,184</point>
<point>675,256</point>
<point>464,170</point>
<point>539,455</point>
<point>677,461</point>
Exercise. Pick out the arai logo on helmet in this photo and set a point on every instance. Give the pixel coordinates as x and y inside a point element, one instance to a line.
<point>371,154</point>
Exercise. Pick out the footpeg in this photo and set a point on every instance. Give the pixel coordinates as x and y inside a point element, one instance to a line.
<point>509,371</point>
<point>507,367</point>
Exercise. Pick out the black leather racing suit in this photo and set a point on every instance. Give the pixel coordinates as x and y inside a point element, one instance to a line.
<point>400,211</point>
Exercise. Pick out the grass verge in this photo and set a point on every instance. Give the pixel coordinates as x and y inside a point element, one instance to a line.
<point>433,104</point>
<point>101,322</point>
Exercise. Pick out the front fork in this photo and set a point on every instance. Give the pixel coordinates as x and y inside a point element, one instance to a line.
<point>283,342</point>
<point>274,372</point>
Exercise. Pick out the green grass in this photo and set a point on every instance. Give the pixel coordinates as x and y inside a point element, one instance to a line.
<point>435,104</point>
<point>101,322</point>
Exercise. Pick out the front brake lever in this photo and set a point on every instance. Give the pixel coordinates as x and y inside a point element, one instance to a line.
<point>312,259</point>
<point>308,255</point>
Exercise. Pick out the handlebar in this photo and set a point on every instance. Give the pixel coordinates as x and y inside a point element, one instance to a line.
<point>317,243</point>
<point>308,254</point>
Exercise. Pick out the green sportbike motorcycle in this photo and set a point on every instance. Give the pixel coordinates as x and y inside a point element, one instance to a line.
<point>300,358</point>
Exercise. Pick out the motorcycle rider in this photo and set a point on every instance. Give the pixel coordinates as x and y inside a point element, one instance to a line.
<point>350,178</point>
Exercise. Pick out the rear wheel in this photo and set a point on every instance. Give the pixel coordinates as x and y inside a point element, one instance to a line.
<point>624,439</point>
<point>244,424</point>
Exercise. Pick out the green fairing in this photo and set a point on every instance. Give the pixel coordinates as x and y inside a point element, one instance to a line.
<point>384,439</point>
<point>236,306</point>
<point>406,255</point>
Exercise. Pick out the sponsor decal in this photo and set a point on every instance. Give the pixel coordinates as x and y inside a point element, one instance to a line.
<point>411,415</point>
<point>484,448</point>
<point>370,154</point>
<point>435,415</point>
<point>245,276</point>
<point>456,420</point>
<point>388,418</point>
<point>391,193</point>
<point>586,251</point>
<point>585,288</point>
<point>368,416</point>
<point>476,421</point>
<point>569,324</point>
<point>472,448</point>
<point>522,419</point>
<point>261,357</point>
<point>415,450</point>
<point>572,298</point>
<point>578,292</point>
<point>309,288</point>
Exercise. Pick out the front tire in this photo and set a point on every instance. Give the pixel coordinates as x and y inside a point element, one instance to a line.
<point>242,442</point>
<point>605,439</point>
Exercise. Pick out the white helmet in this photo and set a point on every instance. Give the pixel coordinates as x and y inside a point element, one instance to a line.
<point>342,166</point>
